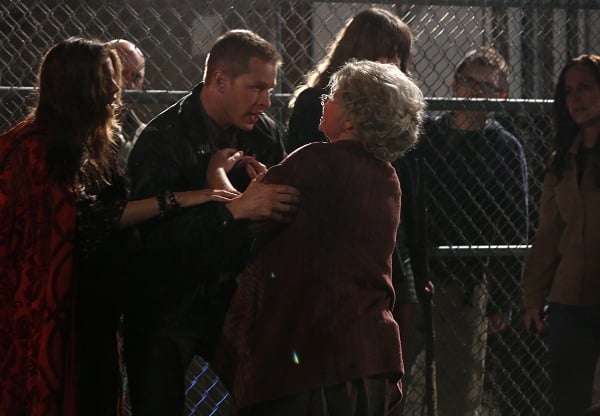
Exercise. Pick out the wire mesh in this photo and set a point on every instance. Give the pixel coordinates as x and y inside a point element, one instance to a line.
<point>536,37</point>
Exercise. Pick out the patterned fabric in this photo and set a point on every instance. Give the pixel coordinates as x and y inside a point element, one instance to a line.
<point>37,228</point>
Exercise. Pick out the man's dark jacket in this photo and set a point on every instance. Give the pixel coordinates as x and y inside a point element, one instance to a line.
<point>188,256</point>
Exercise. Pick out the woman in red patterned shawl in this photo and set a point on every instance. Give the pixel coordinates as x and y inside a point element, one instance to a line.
<point>61,197</point>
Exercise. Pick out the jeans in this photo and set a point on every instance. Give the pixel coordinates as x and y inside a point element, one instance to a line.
<point>574,342</point>
<point>159,349</point>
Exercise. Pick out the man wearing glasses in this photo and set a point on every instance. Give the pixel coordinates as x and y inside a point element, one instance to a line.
<point>476,194</point>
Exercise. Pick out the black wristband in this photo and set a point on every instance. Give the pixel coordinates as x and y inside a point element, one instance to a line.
<point>162,204</point>
<point>172,200</point>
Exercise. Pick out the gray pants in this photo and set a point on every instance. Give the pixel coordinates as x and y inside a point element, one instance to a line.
<point>460,349</point>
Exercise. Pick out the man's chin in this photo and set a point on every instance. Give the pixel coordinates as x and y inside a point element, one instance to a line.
<point>248,123</point>
<point>245,126</point>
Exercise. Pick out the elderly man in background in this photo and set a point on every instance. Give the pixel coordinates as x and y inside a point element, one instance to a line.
<point>133,72</point>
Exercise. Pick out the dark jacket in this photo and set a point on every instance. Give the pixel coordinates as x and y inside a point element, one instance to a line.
<point>476,194</point>
<point>189,254</point>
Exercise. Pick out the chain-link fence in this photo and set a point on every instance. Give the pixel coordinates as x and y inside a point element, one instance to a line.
<point>535,36</point>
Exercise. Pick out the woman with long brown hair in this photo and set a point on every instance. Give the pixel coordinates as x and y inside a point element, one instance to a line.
<point>373,34</point>
<point>62,201</point>
<point>563,266</point>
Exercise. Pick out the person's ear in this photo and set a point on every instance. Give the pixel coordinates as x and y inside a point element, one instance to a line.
<point>220,80</point>
<point>348,125</point>
<point>454,85</point>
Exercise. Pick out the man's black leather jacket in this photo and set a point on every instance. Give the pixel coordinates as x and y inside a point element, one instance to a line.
<point>188,251</point>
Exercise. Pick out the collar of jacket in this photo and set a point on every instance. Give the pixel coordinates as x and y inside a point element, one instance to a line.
<point>192,122</point>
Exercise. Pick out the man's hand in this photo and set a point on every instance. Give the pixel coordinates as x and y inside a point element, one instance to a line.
<point>265,202</point>
<point>252,165</point>
<point>219,165</point>
<point>532,318</point>
<point>224,160</point>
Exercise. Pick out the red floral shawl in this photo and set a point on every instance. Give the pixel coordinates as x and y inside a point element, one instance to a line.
<point>37,229</point>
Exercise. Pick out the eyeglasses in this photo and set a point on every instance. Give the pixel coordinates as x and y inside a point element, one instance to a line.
<point>325,98</point>
<point>476,85</point>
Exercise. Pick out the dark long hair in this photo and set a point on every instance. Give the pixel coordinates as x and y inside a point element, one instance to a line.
<point>565,128</point>
<point>72,104</point>
<point>371,34</point>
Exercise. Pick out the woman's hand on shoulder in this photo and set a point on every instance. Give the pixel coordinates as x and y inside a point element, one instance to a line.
<point>197,197</point>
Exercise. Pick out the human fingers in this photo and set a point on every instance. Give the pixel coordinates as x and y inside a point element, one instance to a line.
<point>278,210</point>
<point>254,170</point>
<point>235,157</point>
<point>225,193</point>
<point>430,288</point>
<point>284,204</point>
<point>224,159</point>
<point>228,151</point>
<point>290,191</point>
<point>197,197</point>
<point>252,165</point>
<point>251,171</point>
<point>220,195</point>
<point>286,199</point>
<point>496,323</point>
<point>220,198</point>
<point>224,154</point>
<point>251,160</point>
<point>532,321</point>
<point>260,177</point>
<point>257,165</point>
<point>540,325</point>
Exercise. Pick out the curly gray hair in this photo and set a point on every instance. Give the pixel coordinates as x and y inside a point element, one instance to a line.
<point>384,104</point>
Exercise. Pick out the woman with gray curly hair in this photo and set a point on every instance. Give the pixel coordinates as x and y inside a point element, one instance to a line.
<point>382,105</point>
<point>310,329</point>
